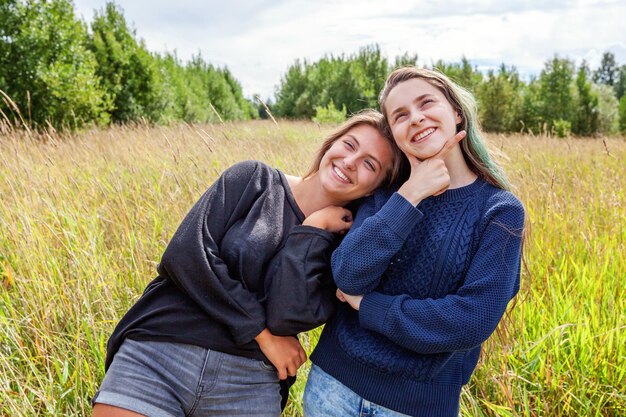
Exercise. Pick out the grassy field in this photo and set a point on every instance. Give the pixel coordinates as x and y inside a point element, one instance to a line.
<point>84,219</point>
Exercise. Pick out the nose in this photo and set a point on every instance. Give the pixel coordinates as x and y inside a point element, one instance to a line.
<point>349,162</point>
<point>417,117</point>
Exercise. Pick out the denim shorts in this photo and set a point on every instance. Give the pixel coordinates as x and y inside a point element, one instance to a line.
<point>324,396</point>
<point>161,379</point>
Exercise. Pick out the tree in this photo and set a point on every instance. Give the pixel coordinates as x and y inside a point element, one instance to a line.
<point>496,96</point>
<point>608,109</point>
<point>587,110</point>
<point>405,60</point>
<point>126,69</point>
<point>622,114</point>
<point>607,72</point>
<point>556,91</point>
<point>620,85</point>
<point>293,85</point>
<point>353,82</point>
<point>47,69</point>
<point>529,110</point>
<point>463,73</point>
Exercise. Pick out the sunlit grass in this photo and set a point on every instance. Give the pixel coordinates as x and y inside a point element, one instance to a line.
<point>85,218</point>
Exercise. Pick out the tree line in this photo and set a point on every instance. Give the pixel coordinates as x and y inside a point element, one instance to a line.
<point>564,99</point>
<point>56,70</point>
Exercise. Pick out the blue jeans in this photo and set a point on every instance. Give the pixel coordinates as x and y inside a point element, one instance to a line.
<point>324,396</point>
<point>160,379</point>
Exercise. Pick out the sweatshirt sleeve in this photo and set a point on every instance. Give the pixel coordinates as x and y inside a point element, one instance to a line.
<point>467,318</point>
<point>375,237</point>
<point>192,258</point>
<point>300,293</point>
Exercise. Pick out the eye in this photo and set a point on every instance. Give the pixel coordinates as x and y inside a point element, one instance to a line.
<point>427,101</point>
<point>349,144</point>
<point>370,165</point>
<point>399,116</point>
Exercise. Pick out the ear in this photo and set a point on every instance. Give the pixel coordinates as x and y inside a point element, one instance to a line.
<point>459,118</point>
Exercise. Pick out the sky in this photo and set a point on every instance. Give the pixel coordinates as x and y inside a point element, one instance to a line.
<point>259,40</point>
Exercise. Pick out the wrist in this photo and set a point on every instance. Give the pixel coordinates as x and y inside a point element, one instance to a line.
<point>412,196</point>
<point>315,221</point>
<point>263,336</point>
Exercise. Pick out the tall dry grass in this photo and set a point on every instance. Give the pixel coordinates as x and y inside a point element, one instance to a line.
<point>85,217</point>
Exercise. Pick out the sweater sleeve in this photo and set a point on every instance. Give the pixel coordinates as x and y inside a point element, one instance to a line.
<point>300,293</point>
<point>467,318</point>
<point>375,237</point>
<point>192,258</point>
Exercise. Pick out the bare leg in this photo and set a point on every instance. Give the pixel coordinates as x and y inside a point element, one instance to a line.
<point>105,410</point>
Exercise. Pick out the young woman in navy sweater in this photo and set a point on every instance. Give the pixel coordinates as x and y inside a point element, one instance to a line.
<point>426,271</point>
<point>247,270</point>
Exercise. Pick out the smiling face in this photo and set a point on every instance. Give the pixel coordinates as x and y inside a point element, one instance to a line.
<point>420,117</point>
<point>356,163</point>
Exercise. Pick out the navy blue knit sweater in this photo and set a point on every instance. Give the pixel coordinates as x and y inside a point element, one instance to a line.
<point>437,280</point>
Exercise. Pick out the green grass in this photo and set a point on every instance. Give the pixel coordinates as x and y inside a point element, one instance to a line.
<point>84,219</point>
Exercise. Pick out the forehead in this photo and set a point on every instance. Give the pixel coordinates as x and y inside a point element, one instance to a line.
<point>371,140</point>
<point>409,90</point>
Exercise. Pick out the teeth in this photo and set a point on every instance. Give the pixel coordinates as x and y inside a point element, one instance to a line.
<point>425,133</point>
<point>340,174</point>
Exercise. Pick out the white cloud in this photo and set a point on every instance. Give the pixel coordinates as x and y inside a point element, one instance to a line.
<point>258,40</point>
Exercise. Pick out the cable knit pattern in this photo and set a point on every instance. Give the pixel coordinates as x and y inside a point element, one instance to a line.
<point>436,279</point>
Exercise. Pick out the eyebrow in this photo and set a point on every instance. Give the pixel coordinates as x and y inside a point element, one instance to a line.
<point>420,98</point>
<point>369,154</point>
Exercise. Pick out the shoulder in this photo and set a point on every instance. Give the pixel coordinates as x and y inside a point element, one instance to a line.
<point>246,172</point>
<point>503,205</point>
<point>248,168</point>
<point>382,195</point>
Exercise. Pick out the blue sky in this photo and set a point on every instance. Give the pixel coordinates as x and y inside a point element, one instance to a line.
<point>258,40</point>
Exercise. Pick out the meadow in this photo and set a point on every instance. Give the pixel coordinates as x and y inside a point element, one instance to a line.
<point>85,217</point>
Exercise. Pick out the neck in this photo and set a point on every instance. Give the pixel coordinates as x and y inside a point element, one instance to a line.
<point>310,196</point>
<point>460,173</point>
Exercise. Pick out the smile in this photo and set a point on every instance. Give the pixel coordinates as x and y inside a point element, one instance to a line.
<point>423,135</point>
<point>341,175</point>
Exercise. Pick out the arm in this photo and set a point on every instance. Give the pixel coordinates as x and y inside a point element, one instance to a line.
<point>364,254</point>
<point>192,258</point>
<point>300,292</point>
<point>467,318</point>
<point>300,288</point>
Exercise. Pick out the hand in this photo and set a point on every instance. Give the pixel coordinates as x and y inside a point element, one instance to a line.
<point>353,300</point>
<point>285,352</point>
<point>334,219</point>
<point>430,176</point>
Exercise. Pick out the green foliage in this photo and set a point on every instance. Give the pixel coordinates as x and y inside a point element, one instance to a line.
<point>405,60</point>
<point>352,82</point>
<point>47,69</point>
<point>201,92</point>
<point>126,69</point>
<point>608,71</point>
<point>529,111</point>
<point>497,98</point>
<point>622,114</point>
<point>620,85</point>
<point>587,110</point>
<point>562,128</point>
<point>608,111</point>
<point>57,73</point>
<point>557,91</point>
<point>329,114</point>
<point>463,73</point>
